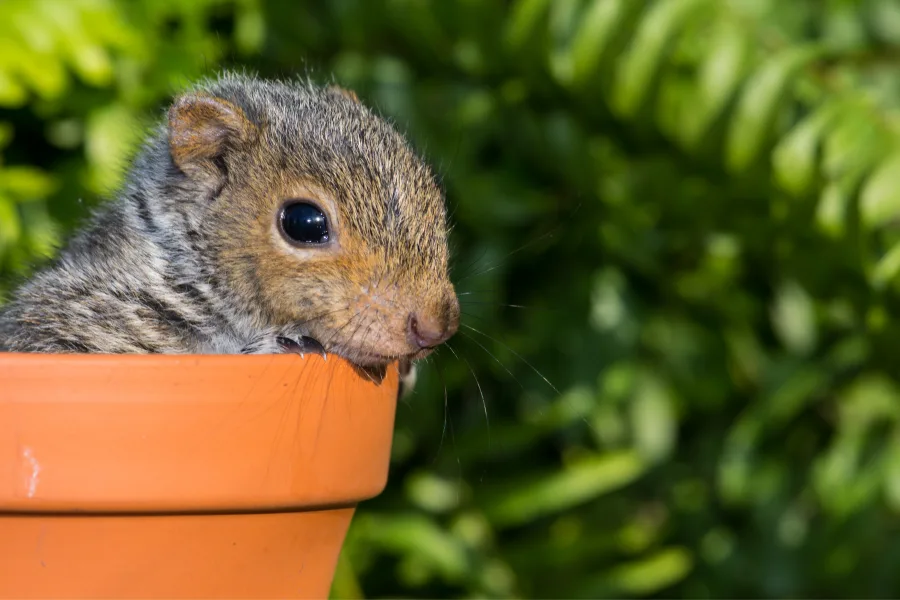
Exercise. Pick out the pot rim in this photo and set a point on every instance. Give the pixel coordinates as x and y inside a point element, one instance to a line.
<point>190,433</point>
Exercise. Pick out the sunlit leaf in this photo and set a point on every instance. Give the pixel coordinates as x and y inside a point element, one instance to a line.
<point>525,21</point>
<point>879,202</point>
<point>795,158</point>
<point>26,183</point>
<point>653,418</point>
<point>794,319</point>
<point>639,67</point>
<point>763,93</point>
<point>433,493</point>
<point>644,576</point>
<point>719,77</point>
<point>571,486</point>
<point>421,537</point>
<point>591,40</point>
<point>10,225</point>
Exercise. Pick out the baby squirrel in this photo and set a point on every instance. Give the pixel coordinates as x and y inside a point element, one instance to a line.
<point>261,217</point>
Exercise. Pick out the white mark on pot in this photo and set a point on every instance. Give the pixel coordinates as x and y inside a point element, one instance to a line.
<point>34,477</point>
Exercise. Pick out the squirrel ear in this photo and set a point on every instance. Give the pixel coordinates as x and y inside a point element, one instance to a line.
<point>344,92</point>
<point>202,128</point>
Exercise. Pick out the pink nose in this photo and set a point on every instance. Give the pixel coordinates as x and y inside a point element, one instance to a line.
<point>427,332</point>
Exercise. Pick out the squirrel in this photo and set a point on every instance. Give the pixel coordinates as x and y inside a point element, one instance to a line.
<point>260,217</point>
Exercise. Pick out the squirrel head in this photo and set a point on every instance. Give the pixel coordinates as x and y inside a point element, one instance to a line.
<point>315,214</point>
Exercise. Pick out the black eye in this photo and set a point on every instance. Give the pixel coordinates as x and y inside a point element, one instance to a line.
<point>304,223</point>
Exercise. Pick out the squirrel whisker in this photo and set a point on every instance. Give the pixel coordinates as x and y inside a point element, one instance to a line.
<point>519,356</point>
<point>487,421</point>
<point>501,261</point>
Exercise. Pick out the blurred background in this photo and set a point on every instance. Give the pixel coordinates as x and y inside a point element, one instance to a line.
<point>676,246</point>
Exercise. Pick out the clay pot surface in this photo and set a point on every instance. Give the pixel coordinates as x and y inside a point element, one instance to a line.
<point>184,476</point>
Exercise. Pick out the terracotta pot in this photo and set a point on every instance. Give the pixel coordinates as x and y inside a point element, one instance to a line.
<point>184,476</point>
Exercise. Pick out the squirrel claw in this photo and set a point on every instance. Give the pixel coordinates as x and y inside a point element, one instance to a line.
<point>289,345</point>
<point>313,346</point>
<point>302,346</point>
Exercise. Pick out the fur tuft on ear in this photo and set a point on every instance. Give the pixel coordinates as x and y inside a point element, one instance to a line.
<point>203,128</point>
<point>344,92</point>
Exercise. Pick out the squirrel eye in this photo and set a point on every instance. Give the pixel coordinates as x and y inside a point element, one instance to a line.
<point>304,223</point>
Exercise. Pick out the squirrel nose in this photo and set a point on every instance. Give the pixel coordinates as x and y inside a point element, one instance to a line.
<point>428,331</point>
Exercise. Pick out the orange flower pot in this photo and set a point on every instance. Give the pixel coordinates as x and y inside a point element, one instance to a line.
<point>184,476</point>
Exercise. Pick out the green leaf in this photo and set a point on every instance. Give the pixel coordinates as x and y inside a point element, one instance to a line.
<point>843,482</point>
<point>831,212</point>
<point>885,20</point>
<point>564,16</point>
<point>653,418</point>
<point>345,584</point>
<point>419,536</point>
<point>886,268</point>
<point>849,475</point>
<point>639,68</point>
<point>10,225</point>
<point>735,469</point>
<point>575,484</point>
<point>41,232</point>
<point>794,319</point>
<point>794,395</point>
<point>111,136</point>
<point>6,134</point>
<point>853,144</point>
<point>592,39</point>
<point>892,471</point>
<point>752,123</point>
<point>795,158</point>
<point>12,93</point>
<point>643,577</point>
<point>720,75</point>
<point>45,74</point>
<point>250,28</point>
<point>527,20</point>
<point>879,202</point>
<point>26,183</point>
<point>433,493</point>
<point>872,397</point>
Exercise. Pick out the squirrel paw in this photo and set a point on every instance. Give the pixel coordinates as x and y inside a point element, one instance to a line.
<point>302,345</point>
<point>406,370</point>
<point>281,344</point>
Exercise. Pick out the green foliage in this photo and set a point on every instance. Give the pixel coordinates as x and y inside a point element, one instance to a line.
<point>695,202</point>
